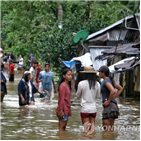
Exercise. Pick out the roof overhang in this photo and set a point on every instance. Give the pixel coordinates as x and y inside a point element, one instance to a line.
<point>115,24</point>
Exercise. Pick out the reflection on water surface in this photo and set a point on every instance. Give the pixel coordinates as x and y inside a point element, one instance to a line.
<point>39,122</point>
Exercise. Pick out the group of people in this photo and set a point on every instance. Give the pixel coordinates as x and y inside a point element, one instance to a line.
<point>26,88</point>
<point>88,90</point>
<point>21,63</point>
<point>6,60</point>
<point>8,66</point>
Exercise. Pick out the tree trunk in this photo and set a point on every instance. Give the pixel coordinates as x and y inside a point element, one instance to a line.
<point>87,13</point>
<point>60,14</point>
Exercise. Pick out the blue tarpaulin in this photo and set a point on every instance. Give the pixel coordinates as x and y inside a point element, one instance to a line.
<point>69,64</point>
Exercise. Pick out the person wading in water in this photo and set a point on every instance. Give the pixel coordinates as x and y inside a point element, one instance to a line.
<point>63,110</point>
<point>88,90</point>
<point>110,107</point>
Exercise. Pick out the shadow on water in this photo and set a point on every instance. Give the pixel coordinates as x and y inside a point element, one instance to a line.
<point>39,122</point>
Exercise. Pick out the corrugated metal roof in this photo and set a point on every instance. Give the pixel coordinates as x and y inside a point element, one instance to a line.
<point>114,35</point>
<point>123,49</point>
<point>103,37</point>
<point>127,65</point>
<point>137,45</point>
<point>136,64</point>
<point>115,24</point>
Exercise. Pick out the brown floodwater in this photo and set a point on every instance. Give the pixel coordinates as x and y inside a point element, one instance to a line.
<point>39,122</point>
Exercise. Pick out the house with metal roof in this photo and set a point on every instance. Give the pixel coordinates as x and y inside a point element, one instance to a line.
<point>114,43</point>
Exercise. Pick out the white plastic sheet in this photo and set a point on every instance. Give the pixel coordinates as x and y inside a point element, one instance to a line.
<point>85,59</point>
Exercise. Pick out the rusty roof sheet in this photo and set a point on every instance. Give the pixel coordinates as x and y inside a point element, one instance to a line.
<point>123,49</point>
<point>103,37</point>
<point>127,65</point>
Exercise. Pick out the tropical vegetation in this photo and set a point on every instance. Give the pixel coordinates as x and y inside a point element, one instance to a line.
<point>32,26</point>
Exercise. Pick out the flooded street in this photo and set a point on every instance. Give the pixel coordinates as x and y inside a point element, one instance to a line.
<point>39,122</point>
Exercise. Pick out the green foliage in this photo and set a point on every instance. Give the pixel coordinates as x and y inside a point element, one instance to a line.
<point>32,26</point>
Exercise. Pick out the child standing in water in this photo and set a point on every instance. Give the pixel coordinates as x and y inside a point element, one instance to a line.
<point>63,110</point>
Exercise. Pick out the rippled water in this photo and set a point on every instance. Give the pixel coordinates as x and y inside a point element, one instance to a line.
<point>39,122</point>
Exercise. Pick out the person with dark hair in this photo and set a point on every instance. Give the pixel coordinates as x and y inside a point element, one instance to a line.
<point>26,90</point>
<point>11,71</point>
<point>11,56</point>
<point>46,77</point>
<point>88,90</point>
<point>32,59</point>
<point>3,86</point>
<point>110,107</point>
<point>5,57</point>
<point>63,109</point>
